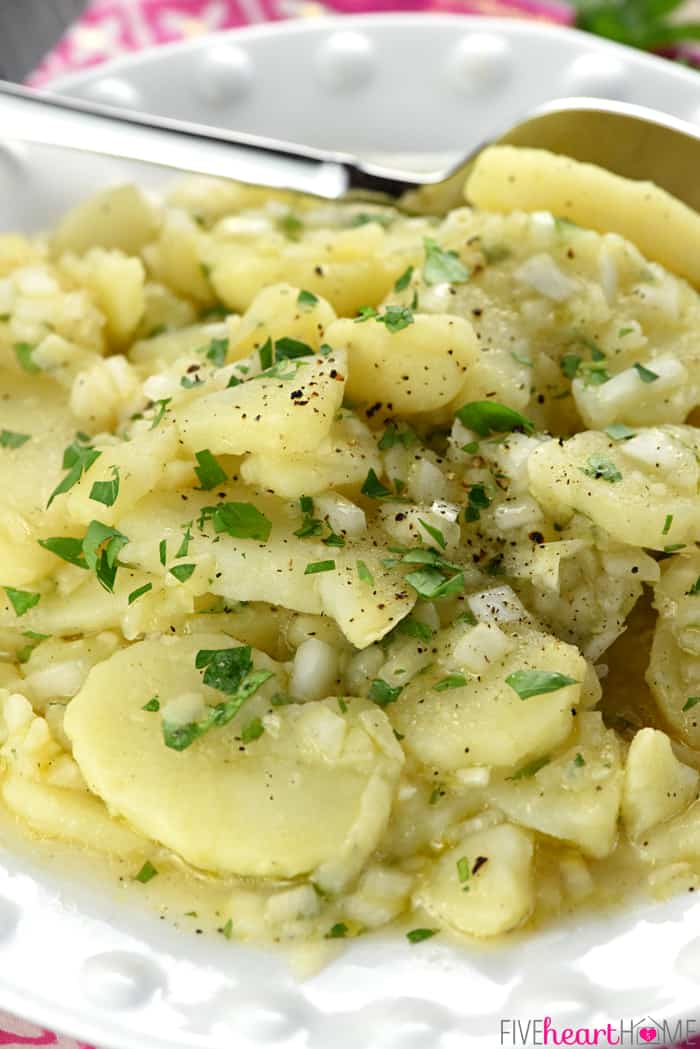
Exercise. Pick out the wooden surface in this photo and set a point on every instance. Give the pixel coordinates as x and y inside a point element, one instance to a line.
<point>30,28</point>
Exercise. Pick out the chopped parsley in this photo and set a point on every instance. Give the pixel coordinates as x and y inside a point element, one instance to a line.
<point>645,374</point>
<point>477,500</point>
<point>182,572</point>
<point>364,573</point>
<point>488,417</point>
<point>310,525</point>
<point>431,584</point>
<point>667,524</point>
<point>412,627</point>
<point>306,300</point>
<point>265,355</point>
<point>373,487</point>
<point>393,436</point>
<point>217,352</point>
<point>229,670</point>
<point>570,364</point>
<point>139,592</point>
<point>106,492</point>
<point>418,935</point>
<point>337,932</point>
<point>101,548</point>
<point>227,929</point>
<point>147,873</point>
<point>209,470</point>
<point>382,693</point>
<point>11,439</point>
<point>22,600</point>
<point>579,761</point>
<point>68,548</point>
<point>287,349</point>
<point>620,432</point>
<point>239,520</point>
<point>695,588</point>
<point>404,280</point>
<point>314,567</point>
<point>185,544</point>
<point>188,384</point>
<point>290,225</point>
<point>252,731</point>
<point>163,551</point>
<point>23,353</point>
<point>600,468</point>
<point>451,681</point>
<point>153,705</point>
<point>463,871</point>
<point>77,459</point>
<point>692,701</point>
<point>442,266</point>
<point>433,532</point>
<point>528,683</point>
<point>162,407</point>
<point>394,318</point>
<point>531,769</point>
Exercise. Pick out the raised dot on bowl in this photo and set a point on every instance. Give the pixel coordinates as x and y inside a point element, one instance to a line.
<point>9,919</point>
<point>345,60</point>
<point>600,75</point>
<point>688,961</point>
<point>275,1018</point>
<point>225,74</point>
<point>114,91</point>
<point>479,61</point>
<point>120,980</point>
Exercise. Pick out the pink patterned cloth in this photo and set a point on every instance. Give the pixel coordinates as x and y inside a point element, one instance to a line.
<point>109,28</point>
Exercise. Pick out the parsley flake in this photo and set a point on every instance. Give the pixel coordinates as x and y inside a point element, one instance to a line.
<point>528,683</point>
<point>22,600</point>
<point>600,468</point>
<point>314,567</point>
<point>451,681</point>
<point>488,417</point>
<point>382,693</point>
<point>692,701</point>
<point>645,374</point>
<point>620,432</point>
<point>11,439</point>
<point>442,266</point>
<point>433,532</point>
<point>209,470</point>
<point>373,487</point>
<point>306,300</point>
<point>404,280</point>
<point>106,492</point>
<point>23,353</point>
<point>153,705</point>
<point>252,731</point>
<point>418,935</point>
<point>139,592</point>
<point>147,873</point>
<point>182,572</point>
<point>364,573</point>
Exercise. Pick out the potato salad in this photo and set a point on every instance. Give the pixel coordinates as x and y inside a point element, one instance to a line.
<point>348,563</point>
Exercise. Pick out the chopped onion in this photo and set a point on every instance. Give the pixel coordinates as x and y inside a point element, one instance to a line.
<point>480,646</point>
<point>543,275</point>
<point>500,604</point>
<point>344,516</point>
<point>314,671</point>
<point>300,902</point>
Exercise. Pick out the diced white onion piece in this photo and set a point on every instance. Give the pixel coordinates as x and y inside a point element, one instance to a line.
<point>426,482</point>
<point>183,709</point>
<point>314,671</point>
<point>578,881</point>
<point>343,515</point>
<point>608,274</point>
<point>500,604</point>
<point>543,275</point>
<point>58,680</point>
<point>607,403</point>
<point>525,513</point>
<point>362,668</point>
<point>658,450</point>
<point>479,776</point>
<point>621,563</point>
<point>480,646</point>
<point>322,732</point>
<point>450,511</point>
<point>291,905</point>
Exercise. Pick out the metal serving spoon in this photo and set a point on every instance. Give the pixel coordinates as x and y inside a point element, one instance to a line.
<point>629,140</point>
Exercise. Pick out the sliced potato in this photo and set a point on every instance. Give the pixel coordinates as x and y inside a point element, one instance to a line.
<point>119,218</point>
<point>278,312</point>
<point>420,368</point>
<point>288,414</point>
<point>484,886</point>
<point>575,796</point>
<point>657,786</point>
<point>642,492</point>
<point>319,791</point>
<point>506,178</point>
<point>485,722</point>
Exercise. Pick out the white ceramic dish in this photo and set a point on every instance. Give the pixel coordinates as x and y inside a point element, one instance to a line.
<point>74,956</point>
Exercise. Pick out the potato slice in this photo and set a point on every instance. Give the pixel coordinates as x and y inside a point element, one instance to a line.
<point>485,885</point>
<point>117,218</point>
<point>575,797</point>
<point>643,492</point>
<point>268,414</point>
<point>315,797</point>
<point>485,722</point>
<point>420,368</point>
<point>506,178</point>
<point>276,313</point>
<point>657,786</point>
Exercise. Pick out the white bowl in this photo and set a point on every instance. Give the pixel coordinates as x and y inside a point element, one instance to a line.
<point>75,956</point>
